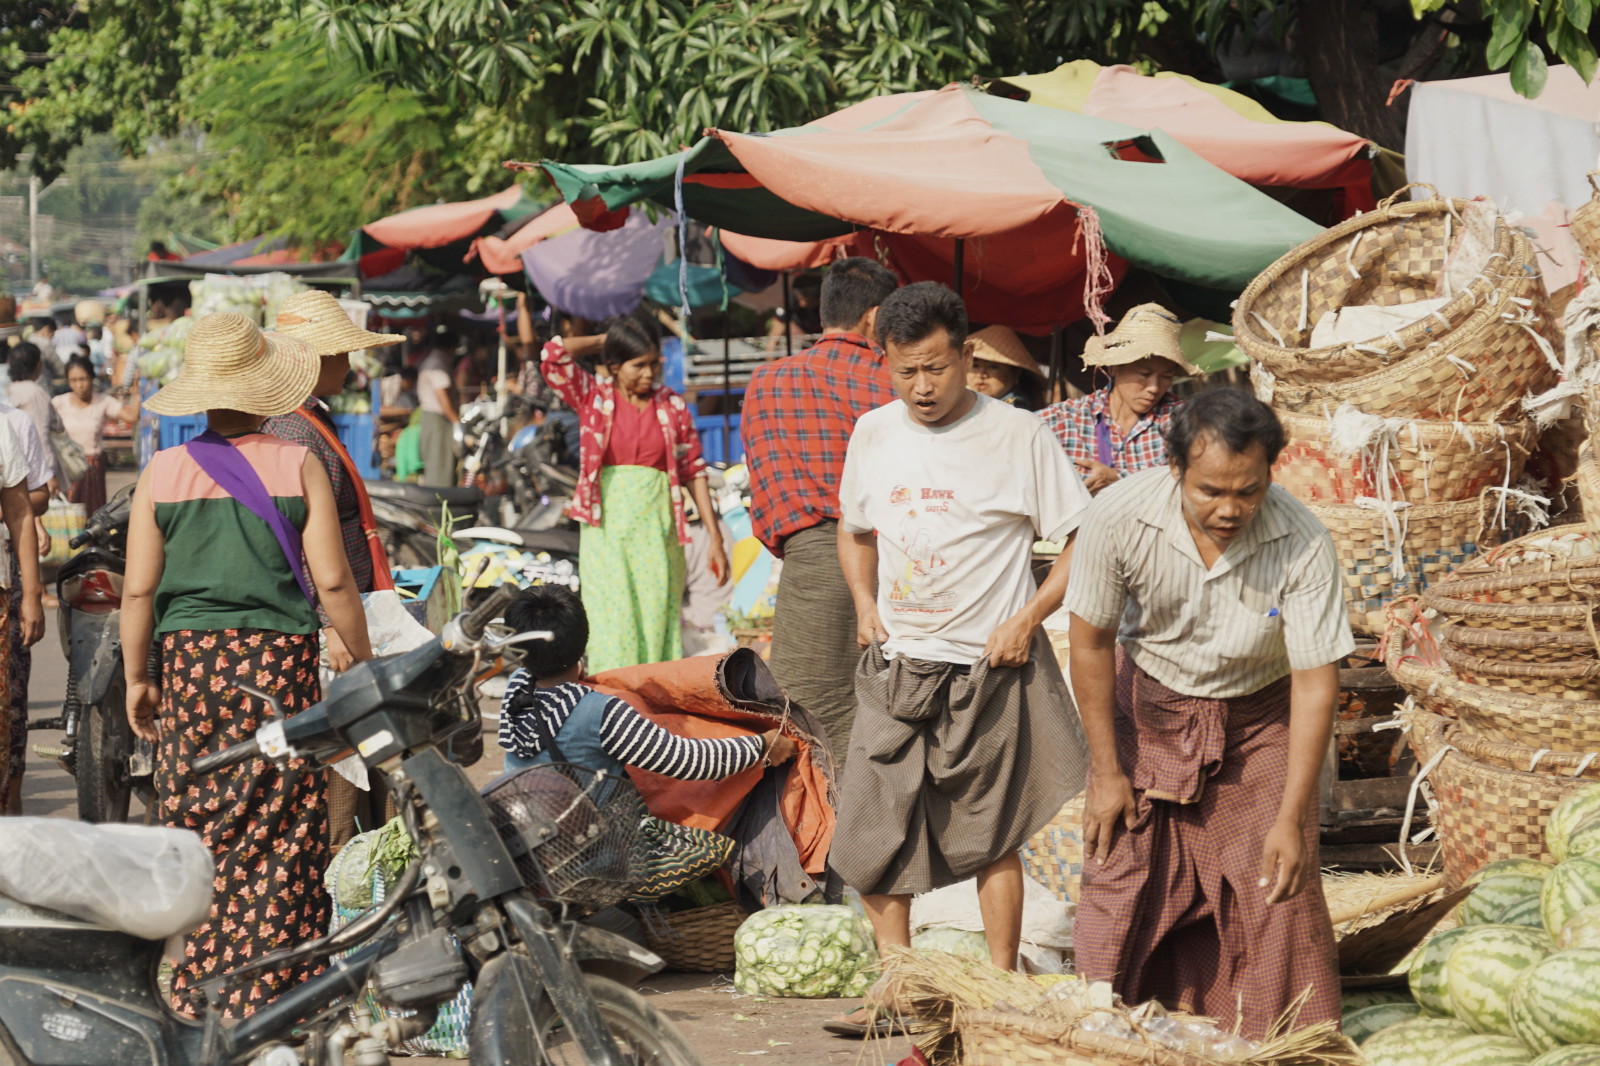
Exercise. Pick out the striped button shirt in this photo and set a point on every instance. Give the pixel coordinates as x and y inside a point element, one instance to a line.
<point>1273,602</point>
<point>625,734</point>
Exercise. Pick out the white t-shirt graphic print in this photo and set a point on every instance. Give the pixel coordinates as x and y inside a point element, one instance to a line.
<point>956,510</point>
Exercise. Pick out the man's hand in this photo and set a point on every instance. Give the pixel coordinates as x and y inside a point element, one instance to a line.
<point>143,696</point>
<point>1096,476</point>
<point>32,620</point>
<point>339,657</point>
<point>1109,800</point>
<point>1008,645</point>
<point>868,627</point>
<point>1283,857</point>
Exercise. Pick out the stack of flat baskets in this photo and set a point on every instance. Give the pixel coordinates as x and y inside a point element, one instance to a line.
<point>1404,444</point>
<point>1503,667</point>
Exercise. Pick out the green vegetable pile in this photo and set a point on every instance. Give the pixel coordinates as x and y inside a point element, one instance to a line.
<point>805,951</point>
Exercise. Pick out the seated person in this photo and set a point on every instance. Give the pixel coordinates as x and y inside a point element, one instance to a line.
<point>544,699</point>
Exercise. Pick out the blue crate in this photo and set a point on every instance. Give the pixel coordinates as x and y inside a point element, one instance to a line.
<point>716,447</point>
<point>356,434</point>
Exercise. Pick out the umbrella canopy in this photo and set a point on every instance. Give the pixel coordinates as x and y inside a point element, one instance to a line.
<point>597,275</point>
<point>260,255</point>
<point>1029,189</point>
<point>442,235</point>
<point>502,254</point>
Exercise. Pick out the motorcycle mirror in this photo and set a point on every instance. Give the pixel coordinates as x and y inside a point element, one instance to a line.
<point>269,700</point>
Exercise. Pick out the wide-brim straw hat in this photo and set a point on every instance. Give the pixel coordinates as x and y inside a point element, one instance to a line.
<point>1145,331</point>
<point>316,318</point>
<point>230,365</point>
<point>1000,344</point>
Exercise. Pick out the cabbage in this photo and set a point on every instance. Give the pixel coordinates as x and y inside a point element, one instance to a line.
<point>805,951</point>
<point>955,941</point>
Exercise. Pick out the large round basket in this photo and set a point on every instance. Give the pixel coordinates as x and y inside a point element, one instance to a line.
<point>1519,645</point>
<point>1433,539</point>
<point>1485,812</point>
<point>990,1038</point>
<point>1587,477</point>
<point>1566,680</point>
<point>1559,724</point>
<point>699,940</point>
<point>1414,668</point>
<point>1413,461</point>
<point>1559,599</point>
<point>1054,855</point>
<point>1584,224</point>
<point>1559,546</point>
<point>1389,257</point>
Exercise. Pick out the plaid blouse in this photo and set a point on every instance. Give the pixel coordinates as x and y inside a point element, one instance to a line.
<point>1076,425</point>
<point>295,428</point>
<point>798,415</point>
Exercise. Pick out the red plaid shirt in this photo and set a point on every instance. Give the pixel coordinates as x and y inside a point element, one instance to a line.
<point>798,415</point>
<point>1074,422</point>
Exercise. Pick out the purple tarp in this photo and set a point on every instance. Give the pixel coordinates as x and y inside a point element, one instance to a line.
<point>597,275</point>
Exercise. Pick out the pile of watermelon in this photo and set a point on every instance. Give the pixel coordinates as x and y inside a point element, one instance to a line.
<point>1516,982</point>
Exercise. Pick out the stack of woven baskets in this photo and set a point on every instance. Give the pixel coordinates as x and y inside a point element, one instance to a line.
<point>1502,661</point>
<point>1399,443</point>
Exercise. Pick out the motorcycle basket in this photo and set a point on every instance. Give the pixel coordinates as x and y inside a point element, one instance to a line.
<point>574,833</point>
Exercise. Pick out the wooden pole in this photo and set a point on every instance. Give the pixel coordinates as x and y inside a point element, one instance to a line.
<point>960,264</point>
<point>788,318</point>
<point>727,396</point>
<point>1057,368</point>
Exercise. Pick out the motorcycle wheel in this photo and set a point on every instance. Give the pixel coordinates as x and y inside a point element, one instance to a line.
<point>644,1036</point>
<point>104,787</point>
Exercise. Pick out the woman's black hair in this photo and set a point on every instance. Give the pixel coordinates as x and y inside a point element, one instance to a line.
<point>629,337</point>
<point>557,609</point>
<point>1229,415</point>
<point>82,362</point>
<point>24,361</point>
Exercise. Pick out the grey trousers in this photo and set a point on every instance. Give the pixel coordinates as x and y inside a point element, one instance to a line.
<point>438,451</point>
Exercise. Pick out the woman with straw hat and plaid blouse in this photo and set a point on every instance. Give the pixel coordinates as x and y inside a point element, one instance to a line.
<point>235,511</point>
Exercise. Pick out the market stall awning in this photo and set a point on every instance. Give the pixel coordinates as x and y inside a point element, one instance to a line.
<point>260,255</point>
<point>442,235</point>
<point>1010,179</point>
<point>597,275</point>
<point>503,254</point>
<point>1223,127</point>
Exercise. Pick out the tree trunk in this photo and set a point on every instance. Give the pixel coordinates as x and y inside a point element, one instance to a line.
<point>1337,40</point>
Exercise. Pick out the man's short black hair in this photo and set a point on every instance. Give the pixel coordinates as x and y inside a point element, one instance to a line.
<point>911,314</point>
<point>556,608</point>
<point>1228,414</point>
<point>24,361</point>
<point>853,287</point>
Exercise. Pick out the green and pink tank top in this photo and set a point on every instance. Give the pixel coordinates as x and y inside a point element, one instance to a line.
<point>224,568</point>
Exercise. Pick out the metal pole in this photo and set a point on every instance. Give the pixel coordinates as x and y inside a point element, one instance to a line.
<point>788,318</point>
<point>727,397</point>
<point>33,229</point>
<point>1057,367</point>
<point>960,264</point>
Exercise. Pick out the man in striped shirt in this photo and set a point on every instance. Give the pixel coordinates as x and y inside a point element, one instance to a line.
<point>1208,727</point>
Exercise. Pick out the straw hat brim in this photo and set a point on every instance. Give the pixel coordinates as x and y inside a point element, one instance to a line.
<point>275,383</point>
<point>338,338</point>
<point>1109,351</point>
<point>1003,348</point>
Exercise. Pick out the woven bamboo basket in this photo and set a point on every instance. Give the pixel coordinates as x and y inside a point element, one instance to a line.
<point>1054,855</point>
<point>1478,372</point>
<point>1520,645</point>
<point>1389,257</point>
<point>1580,765</point>
<point>1438,537</point>
<point>1570,680</point>
<point>1537,598</point>
<point>1584,224</point>
<point>699,940</point>
<point>1561,725</point>
<point>1557,547</point>
<point>1485,812</point>
<point>1422,462</point>
<point>1414,664</point>
<point>1587,478</point>
<point>990,1038</point>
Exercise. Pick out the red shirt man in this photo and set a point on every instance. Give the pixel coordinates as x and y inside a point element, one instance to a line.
<point>798,416</point>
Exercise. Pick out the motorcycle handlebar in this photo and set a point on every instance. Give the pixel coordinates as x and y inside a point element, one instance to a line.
<point>79,540</point>
<point>475,622</point>
<point>227,757</point>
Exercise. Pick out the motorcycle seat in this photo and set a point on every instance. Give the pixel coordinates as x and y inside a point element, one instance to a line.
<point>424,496</point>
<point>151,882</point>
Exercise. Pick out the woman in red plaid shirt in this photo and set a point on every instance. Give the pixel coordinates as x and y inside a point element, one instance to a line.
<point>1121,429</point>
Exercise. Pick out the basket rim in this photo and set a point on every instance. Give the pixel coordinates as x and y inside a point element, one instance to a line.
<point>1426,428</point>
<point>1585,670</point>
<point>1514,639</point>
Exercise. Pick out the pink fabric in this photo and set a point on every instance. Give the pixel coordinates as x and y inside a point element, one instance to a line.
<point>635,439</point>
<point>504,256</point>
<point>86,425</point>
<point>595,401</point>
<point>440,224</point>
<point>1305,155</point>
<point>766,254</point>
<point>1565,92</point>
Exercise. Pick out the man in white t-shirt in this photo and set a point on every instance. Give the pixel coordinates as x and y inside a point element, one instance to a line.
<point>965,741</point>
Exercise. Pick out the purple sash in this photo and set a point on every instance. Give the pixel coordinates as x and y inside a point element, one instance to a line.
<point>1104,452</point>
<point>227,466</point>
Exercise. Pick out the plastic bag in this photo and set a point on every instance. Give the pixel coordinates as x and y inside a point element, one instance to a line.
<point>150,881</point>
<point>390,627</point>
<point>1046,920</point>
<point>805,951</point>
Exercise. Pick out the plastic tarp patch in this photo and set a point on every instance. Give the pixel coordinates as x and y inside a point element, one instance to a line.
<point>148,881</point>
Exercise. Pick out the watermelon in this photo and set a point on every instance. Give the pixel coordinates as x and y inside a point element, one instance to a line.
<point>1553,1001</point>
<point>1571,1055</point>
<point>1483,966</point>
<point>1571,886</point>
<point>1585,839</point>
<point>1367,1021</point>
<point>1530,867</point>
<point>1568,815</point>
<point>1581,931</point>
<point>1525,912</point>
<point>1371,997</point>
<point>1494,894</point>
<point>1412,1043</point>
<point>1427,977</point>
<point>1482,1051</point>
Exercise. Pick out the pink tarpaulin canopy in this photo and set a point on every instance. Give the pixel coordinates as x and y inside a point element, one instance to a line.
<point>441,224</point>
<point>504,255</point>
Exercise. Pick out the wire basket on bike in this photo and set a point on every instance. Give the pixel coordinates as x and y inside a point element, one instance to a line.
<point>574,833</point>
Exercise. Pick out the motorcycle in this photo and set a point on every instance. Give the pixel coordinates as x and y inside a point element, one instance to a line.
<point>494,897</point>
<point>408,518</point>
<point>109,765</point>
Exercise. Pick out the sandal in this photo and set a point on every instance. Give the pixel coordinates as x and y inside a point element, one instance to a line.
<point>883,1024</point>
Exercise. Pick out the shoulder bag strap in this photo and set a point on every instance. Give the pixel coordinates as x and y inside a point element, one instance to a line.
<point>232,472</point>
<point>381,576</point>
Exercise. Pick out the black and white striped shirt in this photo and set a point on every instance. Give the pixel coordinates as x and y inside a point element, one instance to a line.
<point>625,734</point>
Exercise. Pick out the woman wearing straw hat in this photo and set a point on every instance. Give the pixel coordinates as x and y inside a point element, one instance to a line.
<point>1120,429</point>
<point>236,511</point>
<point>316,318</point>
<point>1003,368</point>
